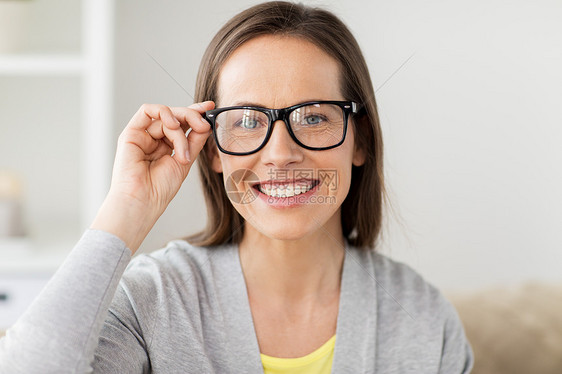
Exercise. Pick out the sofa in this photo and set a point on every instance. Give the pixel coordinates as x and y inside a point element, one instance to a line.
<point>515,329</point>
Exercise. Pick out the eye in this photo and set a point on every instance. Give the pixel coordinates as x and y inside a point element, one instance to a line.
<point>248,123</point>
<point>313,119</point>
<point>248,120</point>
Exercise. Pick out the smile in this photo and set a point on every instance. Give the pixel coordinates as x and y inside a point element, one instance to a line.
<point>287,189</point>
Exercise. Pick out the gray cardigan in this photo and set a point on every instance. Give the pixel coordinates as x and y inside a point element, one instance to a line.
<point>185,309</point>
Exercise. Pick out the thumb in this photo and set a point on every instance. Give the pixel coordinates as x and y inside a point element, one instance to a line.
<point>203,106</point>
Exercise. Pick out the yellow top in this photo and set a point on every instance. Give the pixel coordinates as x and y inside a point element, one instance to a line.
<point>317,362</point>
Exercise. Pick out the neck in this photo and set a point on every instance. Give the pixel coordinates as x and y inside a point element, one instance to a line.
<point>305,270</point>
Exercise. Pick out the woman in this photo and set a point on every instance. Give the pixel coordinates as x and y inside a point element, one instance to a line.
<point>284,278</point>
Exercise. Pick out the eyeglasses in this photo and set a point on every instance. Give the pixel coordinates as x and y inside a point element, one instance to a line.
<point>315,125</point>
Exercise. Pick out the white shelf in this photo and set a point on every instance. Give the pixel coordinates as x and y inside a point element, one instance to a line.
<point>25,257</point>
<point>41,64</point>
<point>92,65</point>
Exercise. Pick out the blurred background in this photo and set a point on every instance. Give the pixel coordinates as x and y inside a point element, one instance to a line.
<point>469,96</point>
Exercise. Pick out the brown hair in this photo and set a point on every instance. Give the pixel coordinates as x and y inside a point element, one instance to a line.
<point>361,211</point>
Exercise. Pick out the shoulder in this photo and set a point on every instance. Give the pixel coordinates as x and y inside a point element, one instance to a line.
<point>404,298</point>
<point>179,262</point>
<point>411,309</point>
<point>173,286</point>
<point>401,283</point>
<point>390,276</point>
<point>179,274</point>
<point>176,274</point>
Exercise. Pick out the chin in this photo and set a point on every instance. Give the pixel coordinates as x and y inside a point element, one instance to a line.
<point>286,231</point>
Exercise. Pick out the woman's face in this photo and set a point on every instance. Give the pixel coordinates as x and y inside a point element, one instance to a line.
<point>277,72</point>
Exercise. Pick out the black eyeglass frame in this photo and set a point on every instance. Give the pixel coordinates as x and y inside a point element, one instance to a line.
<point>274,115</point>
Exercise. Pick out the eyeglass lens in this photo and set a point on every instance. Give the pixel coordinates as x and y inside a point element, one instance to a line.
<point>315,125</point>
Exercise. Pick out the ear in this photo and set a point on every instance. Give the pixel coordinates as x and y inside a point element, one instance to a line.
<point>359,153</point>
<point>358,156</point>
<point>214,158</point>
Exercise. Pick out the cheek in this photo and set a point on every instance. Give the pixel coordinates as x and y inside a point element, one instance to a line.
<point>231,164</point>
<point>336,178</point>
<point>238,176</point>
<point>344,181</point>
<point>215,159</point>
<point>346,167</point>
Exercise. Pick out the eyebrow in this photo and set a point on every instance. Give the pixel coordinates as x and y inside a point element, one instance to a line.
<point>247,103</point>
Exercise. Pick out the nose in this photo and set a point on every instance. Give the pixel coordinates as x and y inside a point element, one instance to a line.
<point>281,150</point>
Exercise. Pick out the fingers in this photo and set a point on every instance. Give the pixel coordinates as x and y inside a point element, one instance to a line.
<point>201,129</point>
<point>203,106</point>
<point>169,127</point>
<point>154,122</point>
<point>191,117</point>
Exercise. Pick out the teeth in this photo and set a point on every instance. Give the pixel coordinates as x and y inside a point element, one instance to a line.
<point>284,190</point>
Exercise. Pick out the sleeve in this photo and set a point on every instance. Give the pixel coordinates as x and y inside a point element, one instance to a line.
<point>60,330</point>
<point>457,355</point>
<point>122,347</point>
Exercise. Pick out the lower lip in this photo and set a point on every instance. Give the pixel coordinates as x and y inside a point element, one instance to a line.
<point>288,202</point>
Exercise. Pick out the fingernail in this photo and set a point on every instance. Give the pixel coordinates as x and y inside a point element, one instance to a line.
<point>187,156</point>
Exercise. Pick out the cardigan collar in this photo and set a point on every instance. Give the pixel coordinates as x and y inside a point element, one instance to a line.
<point>354,350</point>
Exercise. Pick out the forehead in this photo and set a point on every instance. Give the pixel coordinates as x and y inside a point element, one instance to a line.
<point>278,71</point>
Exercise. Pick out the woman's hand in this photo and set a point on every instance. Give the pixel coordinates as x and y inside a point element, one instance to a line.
<point>146,176</point>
